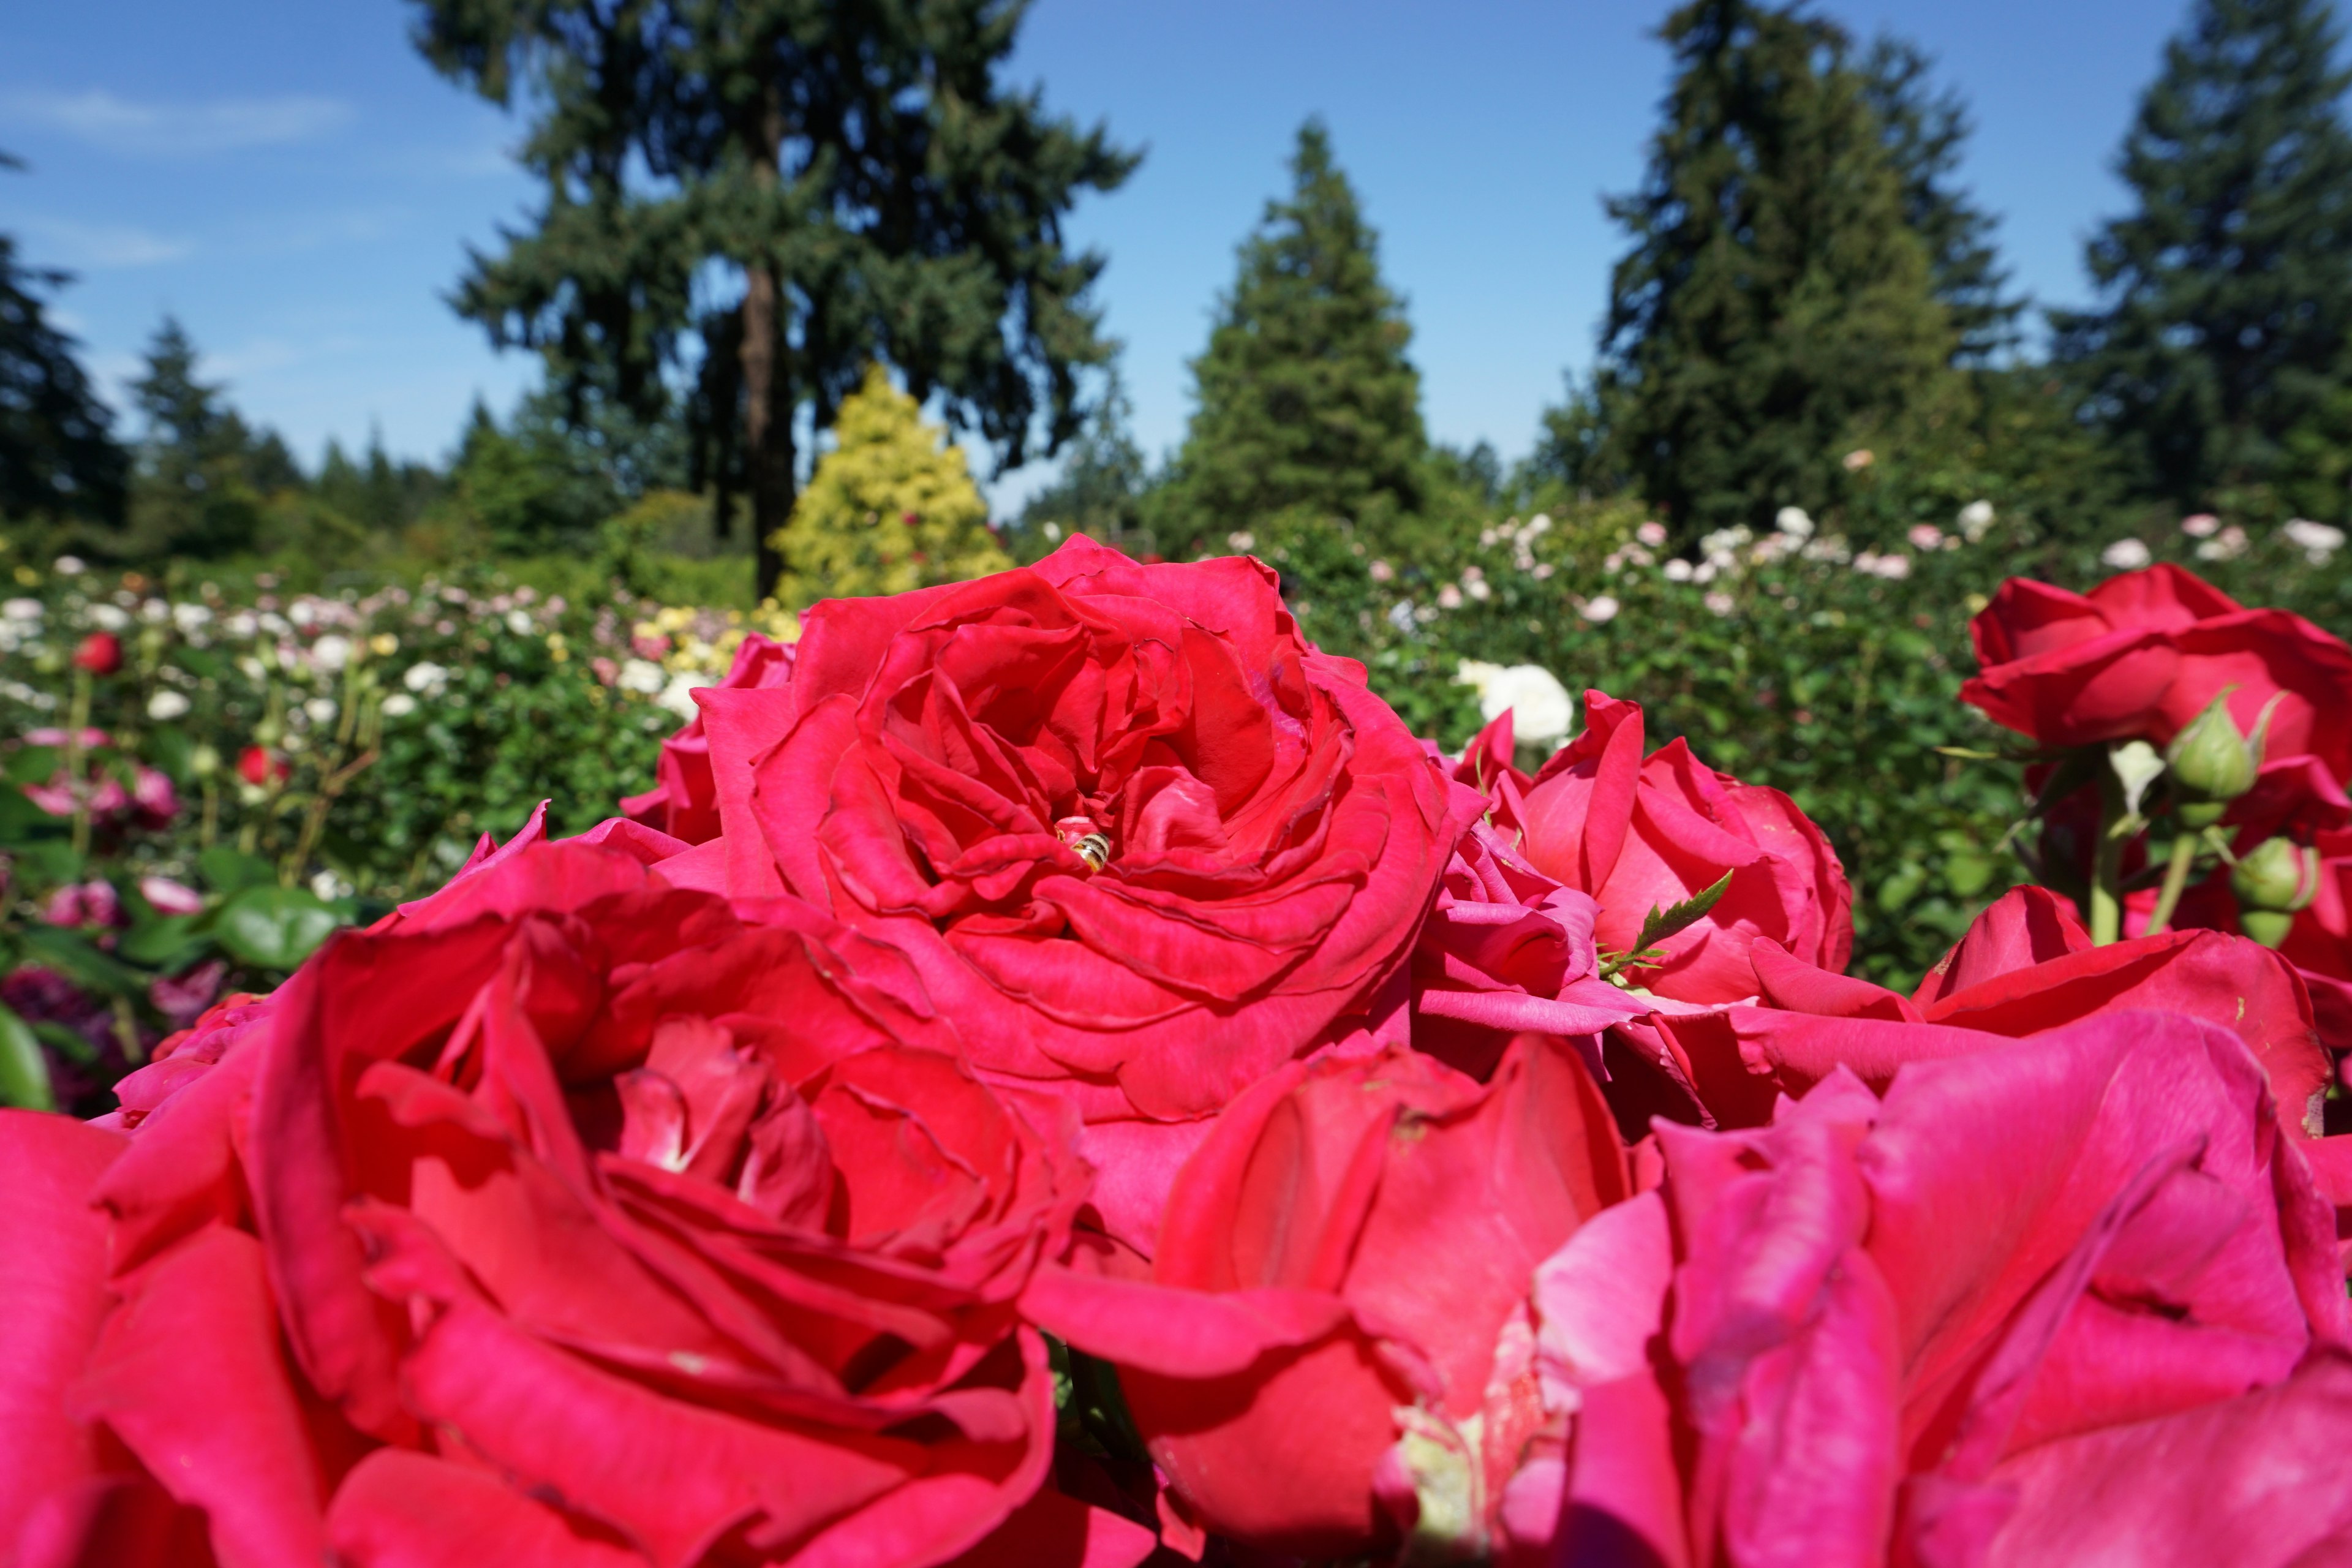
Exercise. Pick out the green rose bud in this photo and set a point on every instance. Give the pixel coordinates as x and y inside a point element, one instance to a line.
<point>2213,764</point>
<point>2268,927</point>
<point>203,761</point>
<point>2273,881</point>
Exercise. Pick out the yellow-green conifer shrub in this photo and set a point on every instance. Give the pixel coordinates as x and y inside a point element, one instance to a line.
<point>891,507</point>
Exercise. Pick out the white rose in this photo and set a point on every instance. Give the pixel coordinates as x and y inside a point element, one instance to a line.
<point>167,705</point>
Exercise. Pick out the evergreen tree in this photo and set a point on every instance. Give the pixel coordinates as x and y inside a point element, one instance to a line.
<point>1305,396</point>
<point>859,169</point>
<point>1099,491</point>
<point>59,456</point>
<point>1776,308</point>
<point>2227,297</point>
<point>1924,133</point>
<point>888,509</point>
<point>194,490</point>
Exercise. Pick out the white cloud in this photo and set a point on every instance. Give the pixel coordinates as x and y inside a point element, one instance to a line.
<point>67,243</point>
<point>178,130</point>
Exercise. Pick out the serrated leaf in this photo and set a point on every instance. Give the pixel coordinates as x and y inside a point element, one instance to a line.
<point>1660,924</point>
<point>23,1071</point>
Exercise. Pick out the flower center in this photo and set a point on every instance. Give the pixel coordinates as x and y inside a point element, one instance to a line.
<point>1085,840</point>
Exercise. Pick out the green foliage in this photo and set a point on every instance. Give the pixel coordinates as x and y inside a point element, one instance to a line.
<point>1304,395</point>
<point>2227,295</point>
<point>1813,667</point>
<point>1924,132</point>
<point>859,169</point>
<point>888,509</point>
<point>1777,308</point>
<point>202,485</point>
<point>1099,491</point>
<point>59,456</point>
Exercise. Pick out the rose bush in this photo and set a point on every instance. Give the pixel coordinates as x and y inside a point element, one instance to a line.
<point>599,1221</point>
<point>2144,652</point>
<point>2026,967</point>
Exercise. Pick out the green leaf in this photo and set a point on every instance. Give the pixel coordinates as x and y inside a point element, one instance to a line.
<point>36,764</point>
<point>23,1071</point>
<point>228,870</point>
<point>159,943</point>
<point>22,822</point>
<point>69,1044</point>
<point>274,928</point>
<point>73,955</point>
<point>1660,924</point>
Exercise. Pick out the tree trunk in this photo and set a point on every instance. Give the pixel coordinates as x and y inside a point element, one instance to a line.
<point>768,394</point>
<point>768,456</point>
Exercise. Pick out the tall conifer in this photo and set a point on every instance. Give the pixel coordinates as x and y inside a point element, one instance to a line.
<point>2226,298</point>
<point>858,170</point>
<point>1304,395</point>
<point>1775,306</point>
<point>59,456</point>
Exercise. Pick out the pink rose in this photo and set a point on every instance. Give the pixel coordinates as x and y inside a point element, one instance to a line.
<point>684,800</point>
<point>1900,1328</point>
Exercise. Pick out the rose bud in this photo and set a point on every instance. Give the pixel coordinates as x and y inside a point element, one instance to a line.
<point>100,653</point>
<point>257,766</point>
<point>2213,764</point>
<point>2273,882</point>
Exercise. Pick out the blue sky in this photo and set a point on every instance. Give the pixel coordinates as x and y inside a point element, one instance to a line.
<point>293,181</point>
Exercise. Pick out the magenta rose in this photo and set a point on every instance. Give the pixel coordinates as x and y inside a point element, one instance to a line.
<point>1903,1328</point>
<point>578,1220</point>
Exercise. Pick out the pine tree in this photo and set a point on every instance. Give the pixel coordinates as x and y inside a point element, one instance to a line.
<point>193,492</point>
<point>1099,491</point>
<point>59,456</point>
<point>1776,308</point>
<point>888,509</point>
<point>2227,297</point>
<point>858,170</point>
<point>1924,132</point>
<point>1305,396</point>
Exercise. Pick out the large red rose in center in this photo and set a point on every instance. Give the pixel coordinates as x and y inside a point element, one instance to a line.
<point>1136,833</point>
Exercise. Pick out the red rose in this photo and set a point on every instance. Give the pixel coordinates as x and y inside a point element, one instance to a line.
<point>1895,1325</point>
<point>1642,834</point>
<point>2142,654</point>
<point>684,800</point>
<point>1507,950</point>
<point>2026,967</point>
<point>1333,1346</point>
<point>100,653</point>
<point>258,765</point>
<point>590,1222</point>
<point>1140,838</point>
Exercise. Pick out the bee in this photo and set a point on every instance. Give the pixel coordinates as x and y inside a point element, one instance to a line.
<point>1094,849</point>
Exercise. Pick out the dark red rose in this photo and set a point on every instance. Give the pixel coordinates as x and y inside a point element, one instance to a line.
<point>2026,967</point>
<point>585,1219</point>
<point>1896,1327</point>
<point>1140,838</point>
<point>1642,834</point>
<point>684,800</point>
<point>1332,1350</point>
<point>100,653</point>
<point>2142,654</point>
